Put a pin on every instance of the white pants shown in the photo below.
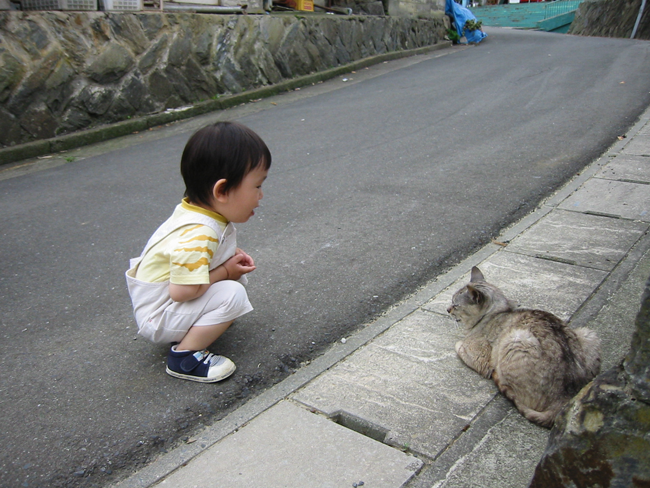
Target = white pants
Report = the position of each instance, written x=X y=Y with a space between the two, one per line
x=223 y=302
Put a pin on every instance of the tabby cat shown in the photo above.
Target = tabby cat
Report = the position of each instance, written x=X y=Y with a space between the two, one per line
x=535 y=360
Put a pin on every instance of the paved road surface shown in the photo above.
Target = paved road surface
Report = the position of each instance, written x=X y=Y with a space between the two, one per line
x=378 y=184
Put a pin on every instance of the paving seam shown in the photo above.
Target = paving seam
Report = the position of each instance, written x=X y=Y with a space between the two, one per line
x=612 y=282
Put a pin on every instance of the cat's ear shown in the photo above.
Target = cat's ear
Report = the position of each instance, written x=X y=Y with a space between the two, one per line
x=475 y=295
x=476 y=275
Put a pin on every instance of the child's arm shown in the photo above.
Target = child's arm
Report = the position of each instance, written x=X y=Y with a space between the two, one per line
x=233 y=269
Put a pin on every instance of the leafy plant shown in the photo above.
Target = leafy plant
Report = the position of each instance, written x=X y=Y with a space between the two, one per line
x=472 y=25
x=452 y=35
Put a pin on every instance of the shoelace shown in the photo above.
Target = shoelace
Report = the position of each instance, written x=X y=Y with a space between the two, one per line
x=208 y=357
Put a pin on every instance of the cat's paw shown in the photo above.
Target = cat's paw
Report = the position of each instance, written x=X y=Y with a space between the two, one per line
x=458 y=346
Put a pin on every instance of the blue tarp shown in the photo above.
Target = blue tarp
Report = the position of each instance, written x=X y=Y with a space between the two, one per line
x=460 y=15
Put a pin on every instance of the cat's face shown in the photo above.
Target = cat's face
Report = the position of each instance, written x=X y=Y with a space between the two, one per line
x=477 y=299
x=467 y=305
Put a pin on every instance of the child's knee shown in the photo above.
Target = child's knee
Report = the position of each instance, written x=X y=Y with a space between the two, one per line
x=231 y=292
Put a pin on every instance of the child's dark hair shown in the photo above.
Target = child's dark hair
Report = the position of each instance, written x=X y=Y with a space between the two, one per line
x=225 y=150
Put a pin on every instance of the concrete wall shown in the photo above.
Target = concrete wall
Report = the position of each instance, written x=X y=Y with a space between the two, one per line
x=62 y=72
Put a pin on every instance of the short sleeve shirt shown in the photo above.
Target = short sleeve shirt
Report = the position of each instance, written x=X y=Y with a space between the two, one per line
x=183 y=257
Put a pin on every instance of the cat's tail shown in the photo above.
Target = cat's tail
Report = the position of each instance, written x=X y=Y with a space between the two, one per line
x=590 y=343
x=545 y=418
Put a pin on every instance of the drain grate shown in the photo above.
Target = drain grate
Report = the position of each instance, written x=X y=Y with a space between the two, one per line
x=361 y=426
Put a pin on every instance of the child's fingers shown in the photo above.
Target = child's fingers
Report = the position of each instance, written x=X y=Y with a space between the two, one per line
x=237 y=258
x=245 y=260
x=242 y=263
x=248 y=258
x=242 y=270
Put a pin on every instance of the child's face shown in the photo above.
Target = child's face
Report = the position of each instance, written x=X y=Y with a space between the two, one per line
x=239 y=204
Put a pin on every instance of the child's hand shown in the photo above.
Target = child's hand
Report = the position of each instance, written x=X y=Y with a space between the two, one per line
x=249 y=260
x=238 y=265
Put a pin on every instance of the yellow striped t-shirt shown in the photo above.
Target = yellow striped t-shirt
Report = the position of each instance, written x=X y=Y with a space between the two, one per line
x=183 y=257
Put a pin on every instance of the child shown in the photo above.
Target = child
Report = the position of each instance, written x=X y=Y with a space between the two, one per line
x=187 y=286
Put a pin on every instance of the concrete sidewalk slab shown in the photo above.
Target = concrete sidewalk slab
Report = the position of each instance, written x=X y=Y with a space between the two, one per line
x=639 y=146
x=614 y=324
x=408 y=382
x=585 y=240
x=634 y=169
x=500 y=449
x=505 y=457
x=553 y=286
x=289 y=446
x=613 y=198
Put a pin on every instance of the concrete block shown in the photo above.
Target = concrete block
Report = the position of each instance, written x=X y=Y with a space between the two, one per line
x=615 y=322
x=289 y=446
x=586 y=240
x=639 y=146
x=618 y=198
x=627 y=168
x=505 y=457
x=556 y=287
x=408 y=382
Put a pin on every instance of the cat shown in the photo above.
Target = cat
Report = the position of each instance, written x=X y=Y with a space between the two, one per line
x=535 y=360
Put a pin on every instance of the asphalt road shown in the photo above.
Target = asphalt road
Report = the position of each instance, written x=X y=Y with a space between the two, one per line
x=378 y=184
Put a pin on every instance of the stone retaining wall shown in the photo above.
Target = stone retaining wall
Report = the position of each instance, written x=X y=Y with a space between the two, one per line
x=611 y=18
x=62 y=72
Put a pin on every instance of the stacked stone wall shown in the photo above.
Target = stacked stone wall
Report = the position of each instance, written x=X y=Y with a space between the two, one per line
x=62 y=72
x=611 y=18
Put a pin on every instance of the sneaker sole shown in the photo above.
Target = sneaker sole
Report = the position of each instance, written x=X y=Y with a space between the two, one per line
x=200 y=379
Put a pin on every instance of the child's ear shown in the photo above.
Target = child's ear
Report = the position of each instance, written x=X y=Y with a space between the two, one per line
x=218 y=191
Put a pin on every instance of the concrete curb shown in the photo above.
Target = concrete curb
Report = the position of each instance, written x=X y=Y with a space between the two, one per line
x=99 y=134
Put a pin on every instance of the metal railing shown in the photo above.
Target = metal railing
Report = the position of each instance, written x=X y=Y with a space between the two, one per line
x=560 y=7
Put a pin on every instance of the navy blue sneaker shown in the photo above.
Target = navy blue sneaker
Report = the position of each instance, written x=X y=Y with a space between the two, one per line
x=201 y=366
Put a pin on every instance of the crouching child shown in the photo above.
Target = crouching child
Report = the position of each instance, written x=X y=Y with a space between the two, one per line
x=187 y=287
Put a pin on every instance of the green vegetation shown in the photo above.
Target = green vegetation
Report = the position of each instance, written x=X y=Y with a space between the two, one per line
x=472 y=25
x=453 y=36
